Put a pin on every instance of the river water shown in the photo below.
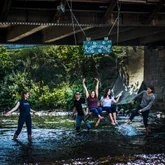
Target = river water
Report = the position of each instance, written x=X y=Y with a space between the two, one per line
x=55 y=142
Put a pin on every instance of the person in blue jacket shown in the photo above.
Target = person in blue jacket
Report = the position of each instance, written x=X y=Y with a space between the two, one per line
x=24 y=117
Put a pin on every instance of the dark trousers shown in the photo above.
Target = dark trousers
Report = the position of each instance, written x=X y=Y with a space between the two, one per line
x=78 y=122
x=144 y=114
x=108 y=109
x=24 y=119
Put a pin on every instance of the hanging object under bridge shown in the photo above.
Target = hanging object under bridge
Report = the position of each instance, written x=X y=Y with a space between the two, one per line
x=97 y=47
x=102 y=46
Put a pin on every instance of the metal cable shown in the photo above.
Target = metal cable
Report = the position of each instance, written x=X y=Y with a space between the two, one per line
x=118 y=23
x=112 y=27
x=76 y=19
x=73 y=24
x=117 y=19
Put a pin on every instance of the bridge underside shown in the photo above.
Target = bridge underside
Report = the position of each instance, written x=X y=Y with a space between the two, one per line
x=141 y=22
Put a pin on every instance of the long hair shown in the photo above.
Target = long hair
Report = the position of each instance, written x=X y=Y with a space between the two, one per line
x=106 y=93
x=22 y=95
x=91 y=93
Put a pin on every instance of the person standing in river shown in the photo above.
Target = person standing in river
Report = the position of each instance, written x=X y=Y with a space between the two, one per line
x=148 y=98
x=92 y=100
x=24 y=116
x=106 y=102
x=78 y=103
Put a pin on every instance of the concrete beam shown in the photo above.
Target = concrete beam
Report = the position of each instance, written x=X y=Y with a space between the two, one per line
x=106 y=1
x=98 y=33
x=4 y=9
x=125 y=34
x=52 y=34
x=155 y=11
x=155 y=37
x=135 y=33
x=18 y=32
x=107 y=15
x=126 y=19
x=4 y=26
x=85 y=1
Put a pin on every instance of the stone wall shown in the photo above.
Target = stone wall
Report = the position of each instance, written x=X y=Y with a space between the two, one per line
x=154 y=73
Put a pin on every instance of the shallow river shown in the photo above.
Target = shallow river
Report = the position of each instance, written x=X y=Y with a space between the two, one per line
x=55 y=142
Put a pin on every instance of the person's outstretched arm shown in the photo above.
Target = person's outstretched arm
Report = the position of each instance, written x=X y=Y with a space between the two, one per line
x=32 y=110
x=133 y=99
x=12 y=110
x=148 y=106
x=97 y=87
x=115 y=101
x=85 y=88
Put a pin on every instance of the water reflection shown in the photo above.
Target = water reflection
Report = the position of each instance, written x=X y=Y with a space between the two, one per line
x=127 y=130
x=62 y=145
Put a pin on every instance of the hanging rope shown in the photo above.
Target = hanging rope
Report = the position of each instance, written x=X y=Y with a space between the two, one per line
x=76 y=19
x=117 y=19
x=112 y=27
x=75 y=40
x=78 y=63
x=118 y=23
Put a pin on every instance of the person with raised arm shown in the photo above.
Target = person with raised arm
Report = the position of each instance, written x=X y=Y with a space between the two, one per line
x=106 y=102
x=92 y=100
x=24 y=116
x=148 y=98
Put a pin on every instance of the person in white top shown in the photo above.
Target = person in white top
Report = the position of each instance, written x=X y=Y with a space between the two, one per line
x=106 y=102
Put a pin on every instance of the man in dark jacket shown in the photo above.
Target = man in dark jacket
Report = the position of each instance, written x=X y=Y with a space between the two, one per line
x=78 y=107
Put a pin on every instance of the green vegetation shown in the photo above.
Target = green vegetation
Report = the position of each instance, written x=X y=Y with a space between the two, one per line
x=52 y=74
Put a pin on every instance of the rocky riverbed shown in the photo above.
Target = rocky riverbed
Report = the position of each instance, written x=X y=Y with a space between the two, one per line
x=55 y=142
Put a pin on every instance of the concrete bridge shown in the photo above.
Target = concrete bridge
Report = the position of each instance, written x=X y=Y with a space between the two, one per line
x=141 y=22
x=125 y=22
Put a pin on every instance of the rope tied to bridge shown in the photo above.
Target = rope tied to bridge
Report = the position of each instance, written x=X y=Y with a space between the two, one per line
x=116 y=21
x=73 y=16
